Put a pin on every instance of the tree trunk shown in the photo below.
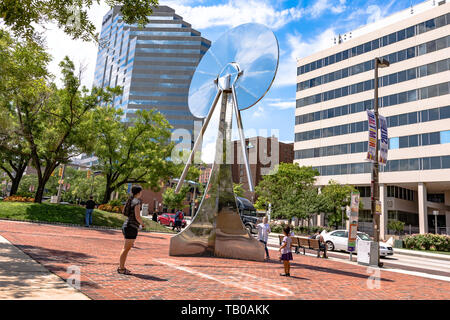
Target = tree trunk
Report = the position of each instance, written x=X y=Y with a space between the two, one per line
x=107 y=195
x=39 y=193
x=15 y=185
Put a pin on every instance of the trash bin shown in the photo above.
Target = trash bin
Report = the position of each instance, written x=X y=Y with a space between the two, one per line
x=367 y=253
x=144 y=211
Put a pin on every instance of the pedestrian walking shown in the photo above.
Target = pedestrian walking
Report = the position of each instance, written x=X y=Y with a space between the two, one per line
x=90 y=206
x=286 y=253
x=132 y=210
x=179 y=215
x=263 y=234
x=155 y=217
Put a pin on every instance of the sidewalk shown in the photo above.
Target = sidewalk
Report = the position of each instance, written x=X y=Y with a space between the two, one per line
x=21 y=277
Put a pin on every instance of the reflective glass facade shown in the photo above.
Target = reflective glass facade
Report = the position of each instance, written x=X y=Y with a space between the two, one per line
x=154 y=65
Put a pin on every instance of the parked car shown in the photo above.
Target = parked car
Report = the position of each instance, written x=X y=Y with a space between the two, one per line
x=338 y=240
x=248 y=214
x=168 y=219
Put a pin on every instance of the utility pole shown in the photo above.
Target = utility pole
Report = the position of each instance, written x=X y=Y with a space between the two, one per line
x=375 y=194
x=61 y=180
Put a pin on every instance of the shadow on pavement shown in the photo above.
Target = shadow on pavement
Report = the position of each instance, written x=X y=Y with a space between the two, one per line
x=328 y=270
x=147 y=277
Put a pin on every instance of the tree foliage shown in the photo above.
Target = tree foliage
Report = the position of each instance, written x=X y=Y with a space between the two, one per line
x=238 y=189
x=286 y=188
x=133 y=152
x=333 y=197
x=174 y=201
x=70 y=15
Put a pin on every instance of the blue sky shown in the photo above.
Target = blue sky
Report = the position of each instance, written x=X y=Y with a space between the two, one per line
x=302 y=27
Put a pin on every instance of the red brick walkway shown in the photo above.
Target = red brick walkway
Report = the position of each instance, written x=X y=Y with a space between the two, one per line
x=159 y=276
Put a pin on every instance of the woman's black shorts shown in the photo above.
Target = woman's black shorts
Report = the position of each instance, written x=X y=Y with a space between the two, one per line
x=129 y=232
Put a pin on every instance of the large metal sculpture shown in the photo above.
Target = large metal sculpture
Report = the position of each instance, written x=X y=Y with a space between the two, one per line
x=235 y=73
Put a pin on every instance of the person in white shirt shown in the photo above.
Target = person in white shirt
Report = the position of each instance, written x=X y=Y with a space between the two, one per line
x=263 y=234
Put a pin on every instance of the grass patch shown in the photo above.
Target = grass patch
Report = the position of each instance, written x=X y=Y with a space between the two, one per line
x=46 y=212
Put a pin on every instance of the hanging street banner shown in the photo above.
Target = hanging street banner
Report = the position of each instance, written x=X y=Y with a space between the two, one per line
x=353 y=225
x=383 y=140
x=372 y=135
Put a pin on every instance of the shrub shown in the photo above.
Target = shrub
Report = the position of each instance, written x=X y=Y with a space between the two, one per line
x=110 y=208
x=429 y=241
x=396 y=226
x=115 y=203
x=18 y=199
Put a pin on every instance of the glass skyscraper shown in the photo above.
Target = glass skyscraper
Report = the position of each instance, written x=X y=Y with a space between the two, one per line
x=154 y=64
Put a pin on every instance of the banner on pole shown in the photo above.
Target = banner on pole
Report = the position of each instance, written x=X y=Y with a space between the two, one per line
x=383 y=140
x=353 y=229
x=372 y=135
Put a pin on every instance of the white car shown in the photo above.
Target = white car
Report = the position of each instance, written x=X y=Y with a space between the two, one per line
x=338 y=240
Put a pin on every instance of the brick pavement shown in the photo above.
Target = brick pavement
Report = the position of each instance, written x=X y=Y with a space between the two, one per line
x=159 y=276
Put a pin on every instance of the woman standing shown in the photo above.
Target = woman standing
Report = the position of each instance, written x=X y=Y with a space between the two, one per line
x=132 y=210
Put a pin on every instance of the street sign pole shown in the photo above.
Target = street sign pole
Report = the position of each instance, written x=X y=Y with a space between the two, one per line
x=436 y=213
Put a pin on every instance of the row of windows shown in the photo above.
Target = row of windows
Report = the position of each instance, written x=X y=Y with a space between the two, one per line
x=392 y=192
x=158 y=94
x=409 y=118
x=393 y=121
x=405 y=75
x=429 y=163
x=405 y=54
x=400 y=193
x=377 y=43
x=398 y=98
x=163 y=67
x=424 y=139
x=193 y=42
x=157 y=103
x=416 y=140
x=158 y=50
x=165 y=58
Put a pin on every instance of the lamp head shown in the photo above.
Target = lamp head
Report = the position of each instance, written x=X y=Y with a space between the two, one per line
x=383 y=63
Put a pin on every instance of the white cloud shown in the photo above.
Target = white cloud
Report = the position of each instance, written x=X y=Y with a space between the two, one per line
x=287 y=70
x=80 y=52
x=236 y=12
x=321 y=6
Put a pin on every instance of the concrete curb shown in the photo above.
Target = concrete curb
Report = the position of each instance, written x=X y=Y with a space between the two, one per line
x=417 y=253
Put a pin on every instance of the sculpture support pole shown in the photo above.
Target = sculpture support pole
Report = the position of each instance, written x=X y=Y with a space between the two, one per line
x=197 y=142
x=242 y=139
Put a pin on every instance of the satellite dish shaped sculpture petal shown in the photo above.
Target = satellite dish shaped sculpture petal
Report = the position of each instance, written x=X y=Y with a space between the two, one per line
x=237 y=70
x=254 y=48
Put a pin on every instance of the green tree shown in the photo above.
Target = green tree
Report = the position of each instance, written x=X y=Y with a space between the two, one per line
x=70 y=15
x=54 y=122
x=22 y=68
x=333 y=197
x=238 y=190
x=174 y=201
x=285 y=189
x=397 y=226
x=133 y=152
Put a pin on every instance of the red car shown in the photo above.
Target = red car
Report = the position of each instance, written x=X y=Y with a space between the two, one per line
x=168 y=219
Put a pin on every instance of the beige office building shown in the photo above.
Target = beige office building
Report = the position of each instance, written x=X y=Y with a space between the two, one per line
x=334 y=90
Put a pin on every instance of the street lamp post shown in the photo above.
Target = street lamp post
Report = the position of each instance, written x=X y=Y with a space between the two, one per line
x=379 y=63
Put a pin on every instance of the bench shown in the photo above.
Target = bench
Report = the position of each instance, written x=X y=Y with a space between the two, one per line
x=305 y=243
x=314 y=245
x=295 y=244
